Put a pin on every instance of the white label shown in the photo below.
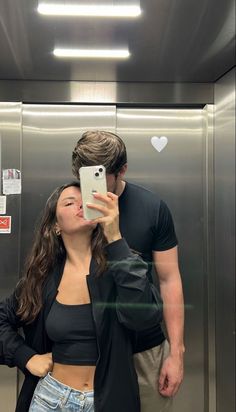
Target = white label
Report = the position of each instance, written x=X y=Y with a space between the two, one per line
x=3 y=203
x=11 y=181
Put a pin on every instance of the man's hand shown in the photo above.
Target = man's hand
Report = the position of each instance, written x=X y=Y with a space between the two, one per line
x=40 y=365
x=171 y=375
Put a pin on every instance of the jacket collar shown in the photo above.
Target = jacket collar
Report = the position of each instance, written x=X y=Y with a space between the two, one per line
x=53 y=280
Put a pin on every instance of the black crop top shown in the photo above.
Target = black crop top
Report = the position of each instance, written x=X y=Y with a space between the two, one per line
x=72 y=331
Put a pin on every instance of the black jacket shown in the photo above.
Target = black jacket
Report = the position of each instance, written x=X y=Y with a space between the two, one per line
x=122 y=299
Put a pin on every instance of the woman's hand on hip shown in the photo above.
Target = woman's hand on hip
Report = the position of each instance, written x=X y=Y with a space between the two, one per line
x=40 y=365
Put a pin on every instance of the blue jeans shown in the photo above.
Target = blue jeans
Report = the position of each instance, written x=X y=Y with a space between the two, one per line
x=52 y=395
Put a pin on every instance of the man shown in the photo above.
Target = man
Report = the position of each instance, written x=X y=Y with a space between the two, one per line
x=147 y=226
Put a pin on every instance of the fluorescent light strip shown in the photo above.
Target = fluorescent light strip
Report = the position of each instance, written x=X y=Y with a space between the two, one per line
x=92 y=10
x=90 y=53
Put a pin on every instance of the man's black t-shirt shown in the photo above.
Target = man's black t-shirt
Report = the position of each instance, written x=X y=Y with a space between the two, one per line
x=146 y=224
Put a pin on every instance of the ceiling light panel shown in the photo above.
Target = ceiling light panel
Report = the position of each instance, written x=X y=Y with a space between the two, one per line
x=98 y=10
x=92 y=53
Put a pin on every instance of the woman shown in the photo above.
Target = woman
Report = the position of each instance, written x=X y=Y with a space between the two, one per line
x=82 y=291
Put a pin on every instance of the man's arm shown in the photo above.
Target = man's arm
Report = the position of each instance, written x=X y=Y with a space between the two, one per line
x=167 y=268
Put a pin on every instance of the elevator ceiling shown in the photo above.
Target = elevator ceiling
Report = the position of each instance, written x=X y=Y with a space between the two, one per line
x=172 y=41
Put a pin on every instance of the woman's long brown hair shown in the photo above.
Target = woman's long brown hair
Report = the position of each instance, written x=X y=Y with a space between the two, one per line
x=47 y=250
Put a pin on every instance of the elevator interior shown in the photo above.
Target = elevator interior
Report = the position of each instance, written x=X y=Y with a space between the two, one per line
x=38 y=140
x=179 y=83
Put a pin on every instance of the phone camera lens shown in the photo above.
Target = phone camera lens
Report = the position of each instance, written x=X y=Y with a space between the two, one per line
x=96 y=174
x=100 y=169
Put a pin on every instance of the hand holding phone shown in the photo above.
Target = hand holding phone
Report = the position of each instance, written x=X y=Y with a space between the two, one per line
x=94 y=192
x=110 y=219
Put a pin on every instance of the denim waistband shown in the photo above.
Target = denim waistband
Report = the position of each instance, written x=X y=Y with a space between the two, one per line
x=60 y=387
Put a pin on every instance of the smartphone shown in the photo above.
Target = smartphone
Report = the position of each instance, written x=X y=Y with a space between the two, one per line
x=92 y=180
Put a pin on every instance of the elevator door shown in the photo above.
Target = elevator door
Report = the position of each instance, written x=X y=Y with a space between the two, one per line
x=174 y=167
x=50 y=132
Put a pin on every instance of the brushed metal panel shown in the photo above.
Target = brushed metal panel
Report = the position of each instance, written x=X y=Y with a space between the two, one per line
x=177 y=174
x=8 y=388
x=131 y=93
x=209 y=256
x=50 y=132
x=10 y=126
x=225 y=240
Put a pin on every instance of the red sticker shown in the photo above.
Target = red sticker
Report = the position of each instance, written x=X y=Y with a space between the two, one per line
x=5 y=224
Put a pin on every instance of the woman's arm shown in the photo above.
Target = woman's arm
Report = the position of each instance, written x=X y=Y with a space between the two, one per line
x=138 y=303
x=13 y=349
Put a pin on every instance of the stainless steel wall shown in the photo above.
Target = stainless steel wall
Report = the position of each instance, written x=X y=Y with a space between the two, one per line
x=10 y=153
x=129 y=93
x=225 y=241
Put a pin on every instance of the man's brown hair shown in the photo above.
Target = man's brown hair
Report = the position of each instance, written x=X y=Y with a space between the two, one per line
x=99 y=147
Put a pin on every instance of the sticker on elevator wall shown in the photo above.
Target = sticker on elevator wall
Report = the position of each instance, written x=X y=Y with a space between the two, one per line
x=5 y=224
x=11 y=179
x=159 y=143
x=3 y=202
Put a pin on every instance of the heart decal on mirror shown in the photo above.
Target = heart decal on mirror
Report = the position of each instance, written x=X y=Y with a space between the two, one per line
x=159 y=143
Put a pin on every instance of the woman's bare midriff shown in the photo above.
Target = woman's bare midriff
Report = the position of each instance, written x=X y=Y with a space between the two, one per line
x=76 y=376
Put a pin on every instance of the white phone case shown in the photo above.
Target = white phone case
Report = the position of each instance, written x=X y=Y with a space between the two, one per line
x=92 y=180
